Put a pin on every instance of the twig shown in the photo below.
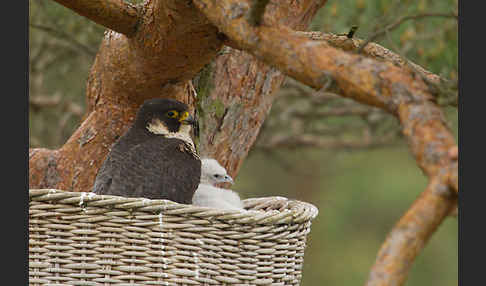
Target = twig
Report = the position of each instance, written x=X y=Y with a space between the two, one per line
x=372 y=50
x=257 y=10
x=117 y=15
x=444 y=89
x=63 y=36
x=314 y=141
x=338 y=111
x=407 y=98
x=39 y=102
x=336 y=131
x=401 y=20
x=351 y=32
x=321 y=96
x=409 y=236
x=400 y=94
x=36 y=57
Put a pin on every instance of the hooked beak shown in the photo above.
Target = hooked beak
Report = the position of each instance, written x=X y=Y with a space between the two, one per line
x=188 y=119
x=228 y=179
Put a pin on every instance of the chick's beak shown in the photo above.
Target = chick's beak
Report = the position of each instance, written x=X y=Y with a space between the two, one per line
x=228 y=179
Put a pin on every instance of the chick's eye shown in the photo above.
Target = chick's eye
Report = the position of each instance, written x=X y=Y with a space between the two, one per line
x=216 y=176
x=172 y=114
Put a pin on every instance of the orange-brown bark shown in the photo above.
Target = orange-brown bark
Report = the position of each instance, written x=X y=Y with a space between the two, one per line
x=238 y=91
x=430 y=139
x=153 y=51
x=74 y=166
x=423 y=122
x=397 y=90
x=117 y=15
x=172 y=42
x=371 y=50
x=378 y=83
x=311 y=62
x=411 y=233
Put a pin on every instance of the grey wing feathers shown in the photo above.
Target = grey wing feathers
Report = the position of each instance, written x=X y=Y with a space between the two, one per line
x=103 y=178
x=155 y=169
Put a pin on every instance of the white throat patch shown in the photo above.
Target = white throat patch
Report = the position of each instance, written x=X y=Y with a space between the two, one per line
x=184 y=134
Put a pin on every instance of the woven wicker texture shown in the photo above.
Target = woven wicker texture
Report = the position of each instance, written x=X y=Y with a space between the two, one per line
x=86 y=239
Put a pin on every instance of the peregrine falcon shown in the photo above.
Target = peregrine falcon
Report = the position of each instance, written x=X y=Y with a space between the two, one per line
x=155 y=158
x=208 y=195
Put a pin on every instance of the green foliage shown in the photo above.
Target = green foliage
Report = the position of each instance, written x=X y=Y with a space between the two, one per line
x=431 y=42
x=59 y=58
x=362 y=194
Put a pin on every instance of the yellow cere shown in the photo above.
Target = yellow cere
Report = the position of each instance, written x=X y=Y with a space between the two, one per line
x=184 y=116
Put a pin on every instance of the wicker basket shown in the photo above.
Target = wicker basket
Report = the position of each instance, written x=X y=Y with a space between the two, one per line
x=86 y=239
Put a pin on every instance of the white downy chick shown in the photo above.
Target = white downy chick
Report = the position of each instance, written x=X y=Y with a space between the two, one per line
x=212 y=173
x=208 y=195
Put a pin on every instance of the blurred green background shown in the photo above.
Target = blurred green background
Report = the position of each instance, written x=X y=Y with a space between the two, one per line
x=360 y=193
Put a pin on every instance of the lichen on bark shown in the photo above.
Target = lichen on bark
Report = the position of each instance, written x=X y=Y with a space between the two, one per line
x=172 y=42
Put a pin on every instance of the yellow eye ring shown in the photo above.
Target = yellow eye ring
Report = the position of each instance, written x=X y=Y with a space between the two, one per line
x=172 y=114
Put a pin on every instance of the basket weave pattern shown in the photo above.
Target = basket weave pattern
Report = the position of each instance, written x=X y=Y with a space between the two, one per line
x=80 y=239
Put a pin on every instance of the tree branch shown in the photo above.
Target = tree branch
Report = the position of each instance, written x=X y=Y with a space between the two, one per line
x=409 y=236
x=173 y=41
x=377 y=83
x=316 y=141
x=396 y=90
x=236 y=91
x=373 y=50
x=64 y=36
x=39 y=102
x=338 y=111
x=117 y=15
x=310 y=62
x=400 y=21
x=257 y=11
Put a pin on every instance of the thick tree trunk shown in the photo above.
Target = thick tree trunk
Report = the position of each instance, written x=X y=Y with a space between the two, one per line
x=402 y=92
x=236 y=91
x=154 y=50
x=155 y=57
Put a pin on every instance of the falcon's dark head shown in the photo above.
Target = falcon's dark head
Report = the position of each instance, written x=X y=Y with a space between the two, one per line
x=164 y=116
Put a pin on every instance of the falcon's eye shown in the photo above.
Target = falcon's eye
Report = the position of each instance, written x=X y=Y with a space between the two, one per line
x=172 y=114
x=216 y=176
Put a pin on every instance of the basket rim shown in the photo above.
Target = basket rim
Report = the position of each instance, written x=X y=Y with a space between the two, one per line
x=282 y=210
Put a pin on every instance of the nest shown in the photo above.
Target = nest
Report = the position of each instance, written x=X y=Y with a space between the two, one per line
x=87 y=239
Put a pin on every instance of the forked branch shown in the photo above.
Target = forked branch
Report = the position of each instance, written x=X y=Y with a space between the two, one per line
x=117 y=15
x=372 y=50
x=398 y=22
x=397 y=90
x=409 y=236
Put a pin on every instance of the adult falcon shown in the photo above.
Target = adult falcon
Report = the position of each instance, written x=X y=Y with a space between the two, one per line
x=155 y=158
